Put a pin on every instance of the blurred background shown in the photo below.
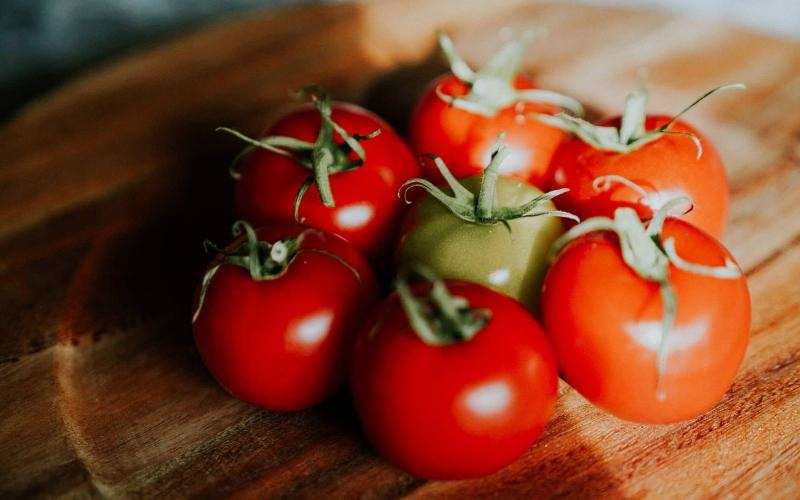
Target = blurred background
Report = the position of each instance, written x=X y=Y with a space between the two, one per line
x=46 y=42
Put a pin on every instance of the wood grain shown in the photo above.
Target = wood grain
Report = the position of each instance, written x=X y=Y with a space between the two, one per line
x=108 y=186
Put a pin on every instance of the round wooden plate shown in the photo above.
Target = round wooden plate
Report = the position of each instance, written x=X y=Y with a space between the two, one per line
x=108 y=187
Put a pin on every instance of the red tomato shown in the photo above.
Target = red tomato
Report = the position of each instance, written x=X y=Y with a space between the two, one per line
x=285 y=343
x=456 y=411
x=367 y=210
x=464 y=140
x=605 y=325
x=666 y=168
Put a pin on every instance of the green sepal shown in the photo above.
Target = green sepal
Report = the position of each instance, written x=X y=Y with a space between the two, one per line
x=439 y=318
x=324 y=157
x=631 y=134
x=492 y=87
x=482 y=209
x=262 y=260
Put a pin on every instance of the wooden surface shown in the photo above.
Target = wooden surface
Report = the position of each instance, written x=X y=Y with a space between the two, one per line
x=108 y=186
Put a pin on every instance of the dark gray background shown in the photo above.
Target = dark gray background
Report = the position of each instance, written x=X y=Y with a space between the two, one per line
x=45 y=42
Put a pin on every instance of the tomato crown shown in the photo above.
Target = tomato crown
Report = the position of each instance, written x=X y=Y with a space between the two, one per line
x=649 y=257
x=481 y=209
x=492 y=87
x=263 y=260
x=439 y=318
x=631 y=134
x=323 y=157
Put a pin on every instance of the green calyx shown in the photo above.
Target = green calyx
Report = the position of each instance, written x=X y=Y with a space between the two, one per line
x=492 y=87
x=263 y=260
x=323 y=158
x=644 y=251
x=482 y=209
x=439 y=318
x=631 y=134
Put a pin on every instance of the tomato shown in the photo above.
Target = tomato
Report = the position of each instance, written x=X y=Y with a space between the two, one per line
x=464 y=139
x=508 y=255
x=363 y=207
x=463 y=135
x=652 y=168
x=665 y=168
x=460 y=410
x=606 y=324
x=283 y=342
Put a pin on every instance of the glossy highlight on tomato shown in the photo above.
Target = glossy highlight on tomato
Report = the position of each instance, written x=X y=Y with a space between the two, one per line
x=604 y=322
x=285 y=343
x=367 y=210
x=456 y=411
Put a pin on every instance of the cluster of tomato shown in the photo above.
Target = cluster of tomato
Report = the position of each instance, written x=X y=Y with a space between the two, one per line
x=642 y=310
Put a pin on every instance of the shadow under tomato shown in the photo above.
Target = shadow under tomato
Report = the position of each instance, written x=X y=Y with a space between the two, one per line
x=394 y=94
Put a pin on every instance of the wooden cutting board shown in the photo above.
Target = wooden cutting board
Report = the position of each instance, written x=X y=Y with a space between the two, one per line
x=109 y=185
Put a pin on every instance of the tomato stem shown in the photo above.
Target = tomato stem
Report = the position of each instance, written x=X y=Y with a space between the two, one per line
x=645 y=252
x=492 y=87
x=482 y=209
x=670 y=305
x=324 y=157
x=262 y=260
x=631 y=134
x=439 y=318
x=488 y=192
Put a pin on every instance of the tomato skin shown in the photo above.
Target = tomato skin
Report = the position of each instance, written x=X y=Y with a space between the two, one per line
x=464 y=140
x=601 y=317
x=421 y=405
x=668 y=165
x=512 y=263
x=285 y=344
x=367 y=211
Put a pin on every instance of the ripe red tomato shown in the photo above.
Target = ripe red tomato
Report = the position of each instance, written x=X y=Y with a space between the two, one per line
x=666 y=168
x=464 y=139
x=605 y=322
x=460 y=410
x=284 y=342
x=460 y=115
x=367 y=210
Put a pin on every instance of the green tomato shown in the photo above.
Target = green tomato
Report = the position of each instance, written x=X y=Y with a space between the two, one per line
x=512 y=262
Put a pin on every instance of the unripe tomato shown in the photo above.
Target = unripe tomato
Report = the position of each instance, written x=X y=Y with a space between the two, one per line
x=511 y=260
